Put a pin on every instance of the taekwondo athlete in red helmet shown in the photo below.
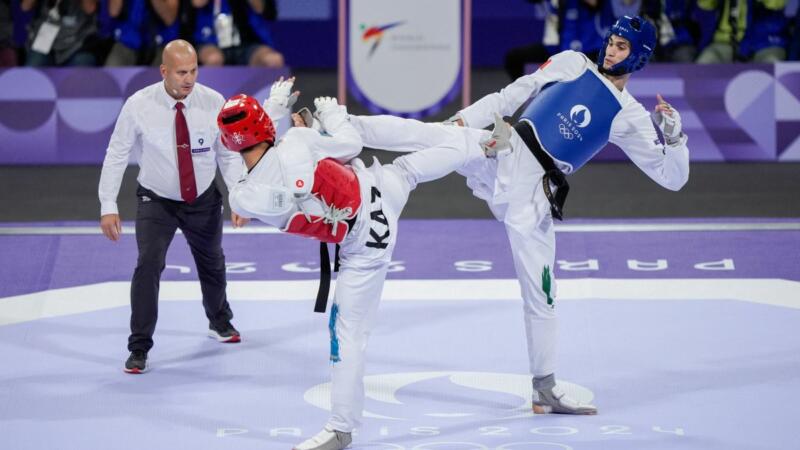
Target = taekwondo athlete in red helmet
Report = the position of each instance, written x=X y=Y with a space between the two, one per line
x=577 y=107
x=310 y=183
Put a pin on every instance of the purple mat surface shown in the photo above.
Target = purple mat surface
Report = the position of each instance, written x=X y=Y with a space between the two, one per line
x=665 y=375
x=427 y=249
x=708 y=373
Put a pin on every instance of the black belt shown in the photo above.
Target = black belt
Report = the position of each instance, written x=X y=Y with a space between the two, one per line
x=325 y=270
x=551 y=172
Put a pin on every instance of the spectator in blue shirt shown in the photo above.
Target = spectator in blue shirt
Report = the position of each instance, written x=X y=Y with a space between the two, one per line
x=677 y=31
x=235 y=32
x=569 y=25
x=140 y=28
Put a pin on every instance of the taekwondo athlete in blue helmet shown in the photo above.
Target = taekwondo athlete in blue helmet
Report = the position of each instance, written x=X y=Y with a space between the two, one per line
x=578 y=106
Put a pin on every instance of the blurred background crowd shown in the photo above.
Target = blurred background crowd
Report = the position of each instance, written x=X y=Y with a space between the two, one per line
x=133 y=32
x=702 y=31
x=240 y=32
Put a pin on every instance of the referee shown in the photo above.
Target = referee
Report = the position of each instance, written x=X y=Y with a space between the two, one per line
x=172 y=126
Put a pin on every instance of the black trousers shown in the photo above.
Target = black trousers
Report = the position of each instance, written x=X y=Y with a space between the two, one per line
x=157 y=219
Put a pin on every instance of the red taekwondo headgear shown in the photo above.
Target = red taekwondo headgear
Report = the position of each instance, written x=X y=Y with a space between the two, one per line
x=243 y=123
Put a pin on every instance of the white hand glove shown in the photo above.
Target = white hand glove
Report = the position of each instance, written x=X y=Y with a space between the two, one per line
x=670 y=124
x=280 y=93
x=498 y=143
x=329 y=112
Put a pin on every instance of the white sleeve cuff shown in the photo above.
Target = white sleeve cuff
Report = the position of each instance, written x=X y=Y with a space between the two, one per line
x=108 y=208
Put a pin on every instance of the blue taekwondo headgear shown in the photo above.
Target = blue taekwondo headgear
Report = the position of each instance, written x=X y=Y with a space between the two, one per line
x=642 y=36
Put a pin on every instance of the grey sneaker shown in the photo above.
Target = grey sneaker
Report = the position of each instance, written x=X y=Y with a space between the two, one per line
x=137 y=362
x=549 y=398
x=224 y=332
x=327 y=439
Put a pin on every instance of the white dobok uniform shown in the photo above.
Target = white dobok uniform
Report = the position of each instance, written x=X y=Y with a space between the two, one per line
x=512 y=183
x=278 y=191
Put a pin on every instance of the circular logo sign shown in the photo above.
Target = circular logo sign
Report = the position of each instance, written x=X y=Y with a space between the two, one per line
x=580 y=115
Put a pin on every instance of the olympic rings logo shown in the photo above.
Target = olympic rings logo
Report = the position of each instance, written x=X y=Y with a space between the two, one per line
x=565 y=131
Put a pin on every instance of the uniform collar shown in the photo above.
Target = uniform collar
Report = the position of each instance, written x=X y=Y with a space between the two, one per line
x=619 y=94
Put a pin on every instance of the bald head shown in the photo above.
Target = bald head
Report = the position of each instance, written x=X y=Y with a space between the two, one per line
x=179 y=68
x=178 y=51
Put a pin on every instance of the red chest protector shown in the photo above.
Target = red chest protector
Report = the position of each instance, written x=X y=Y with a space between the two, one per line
x=336 y=187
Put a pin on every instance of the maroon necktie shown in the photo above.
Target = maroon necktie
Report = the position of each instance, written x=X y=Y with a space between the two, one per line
x=185 y=167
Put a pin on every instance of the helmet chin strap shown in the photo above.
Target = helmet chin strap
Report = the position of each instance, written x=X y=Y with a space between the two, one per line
x=614 y=71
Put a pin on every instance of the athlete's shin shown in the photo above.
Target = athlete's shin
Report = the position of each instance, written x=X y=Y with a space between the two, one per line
x=398 y=134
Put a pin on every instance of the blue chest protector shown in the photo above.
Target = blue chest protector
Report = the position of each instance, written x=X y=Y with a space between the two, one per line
x=573 y=119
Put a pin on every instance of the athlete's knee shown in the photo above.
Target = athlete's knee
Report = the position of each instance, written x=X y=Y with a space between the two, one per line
x=540 y=300
x=539 y=310
x=405 y=169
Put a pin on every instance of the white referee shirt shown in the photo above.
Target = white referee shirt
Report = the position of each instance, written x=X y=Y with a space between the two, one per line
x=146 y=126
